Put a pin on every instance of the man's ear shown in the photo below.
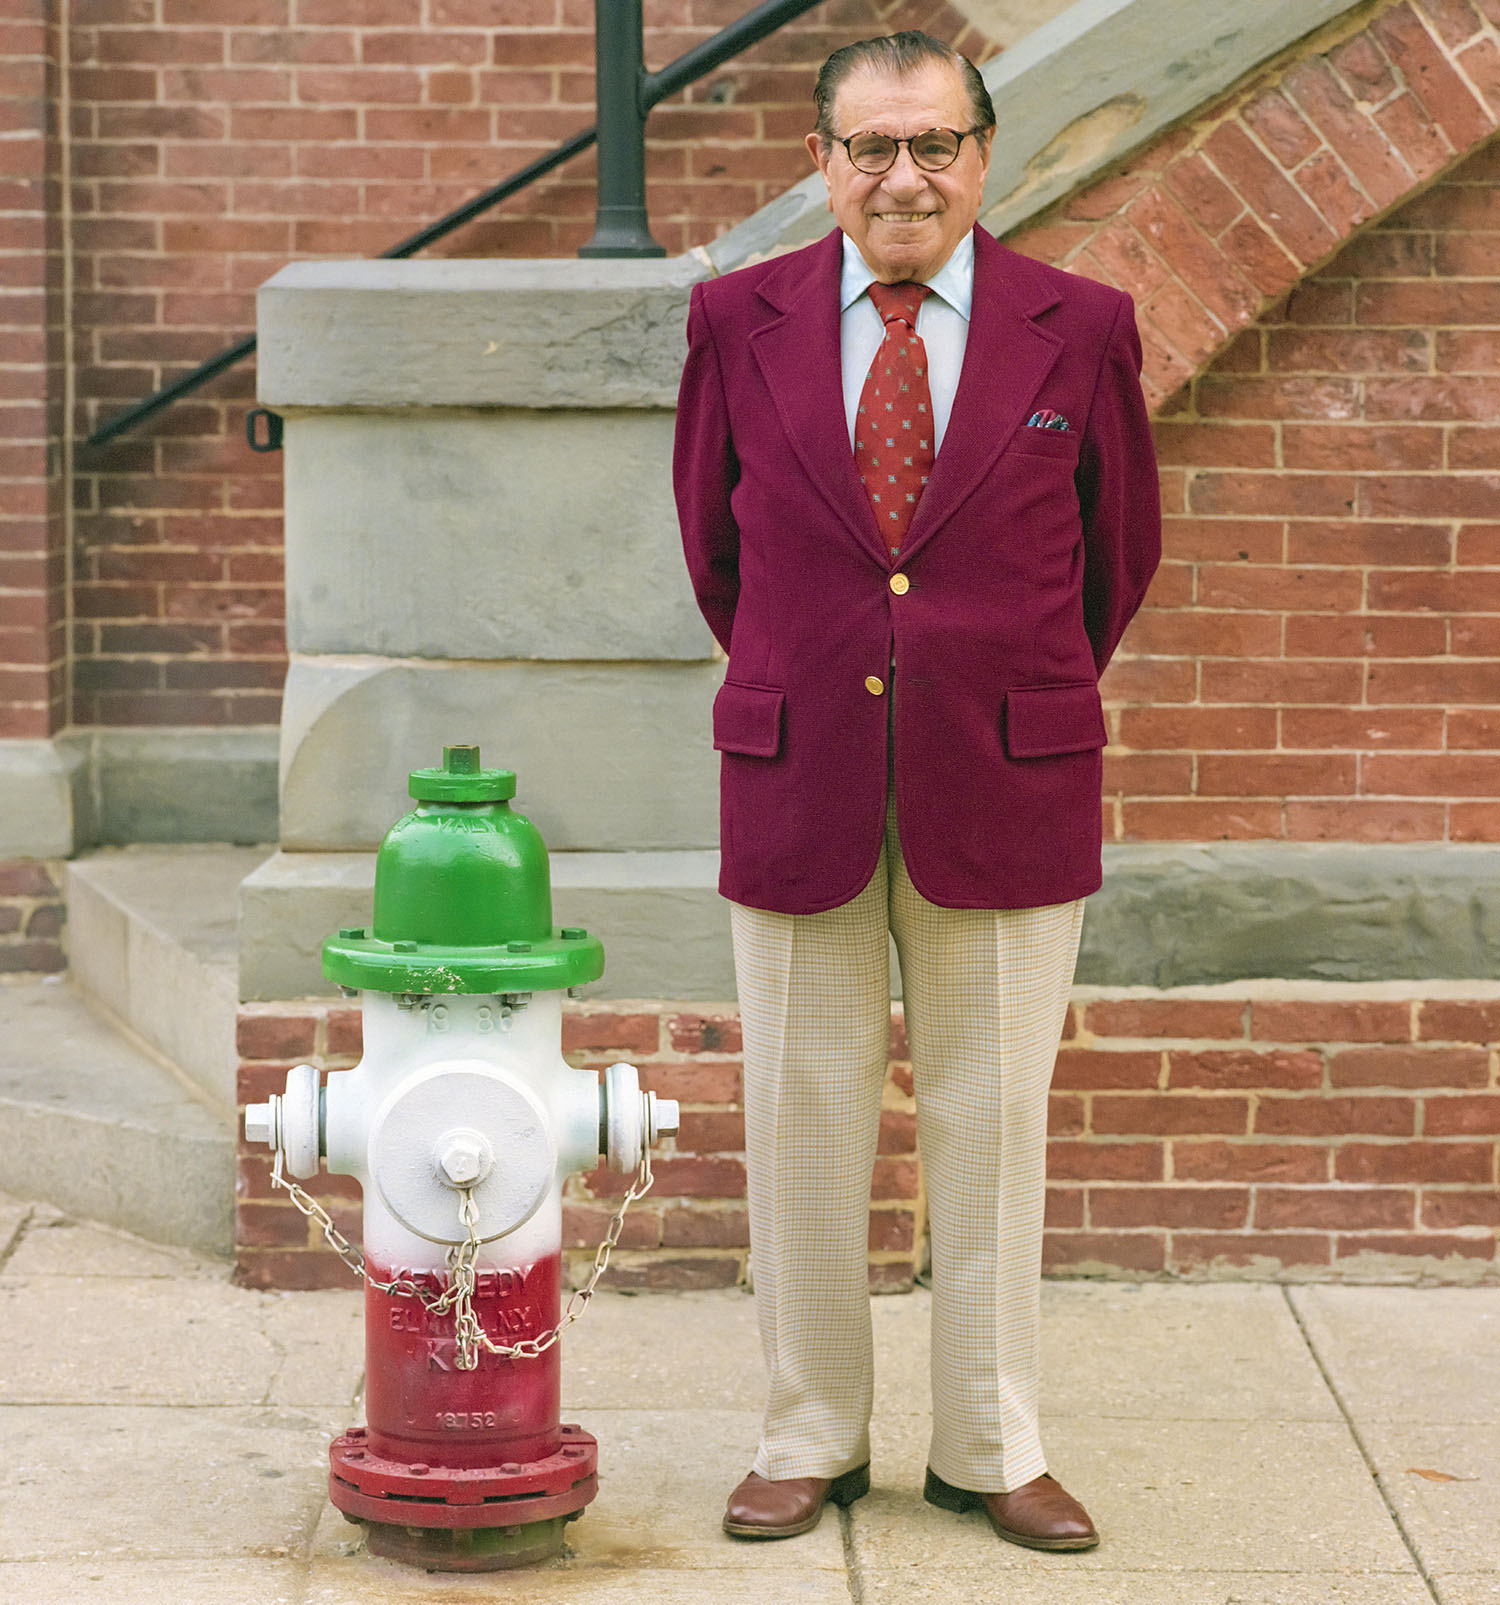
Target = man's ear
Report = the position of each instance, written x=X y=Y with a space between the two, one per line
x=820 y=154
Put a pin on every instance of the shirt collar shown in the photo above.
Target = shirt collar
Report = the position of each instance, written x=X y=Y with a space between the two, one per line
x=954 y=281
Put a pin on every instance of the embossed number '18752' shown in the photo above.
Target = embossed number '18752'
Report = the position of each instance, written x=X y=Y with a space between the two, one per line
x=467 y=1420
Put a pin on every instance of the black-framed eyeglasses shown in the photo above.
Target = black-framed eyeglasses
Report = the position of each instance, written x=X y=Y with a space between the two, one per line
x=932 y=150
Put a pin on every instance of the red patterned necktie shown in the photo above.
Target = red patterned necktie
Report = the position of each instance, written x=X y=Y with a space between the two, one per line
x=893 y=439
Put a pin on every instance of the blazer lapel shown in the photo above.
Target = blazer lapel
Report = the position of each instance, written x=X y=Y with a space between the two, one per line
x=1006 y=361
x=799 y=359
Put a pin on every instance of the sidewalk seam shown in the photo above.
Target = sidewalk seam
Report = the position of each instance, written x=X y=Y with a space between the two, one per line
x=853 y=1571
x=23 y=1226
x=1359 y=1443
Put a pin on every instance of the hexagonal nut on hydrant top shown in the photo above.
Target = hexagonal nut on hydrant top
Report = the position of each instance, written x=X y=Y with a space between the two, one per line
x=464 y=1158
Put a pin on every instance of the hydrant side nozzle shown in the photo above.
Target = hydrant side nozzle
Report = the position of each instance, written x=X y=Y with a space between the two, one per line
x=624 y=1125
x=301 y=1120
x=633 y=1119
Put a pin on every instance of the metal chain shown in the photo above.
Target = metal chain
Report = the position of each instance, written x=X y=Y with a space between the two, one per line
x=458 y=1296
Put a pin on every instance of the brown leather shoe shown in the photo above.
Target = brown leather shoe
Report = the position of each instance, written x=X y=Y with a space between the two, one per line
x=1041 y=1514
x=760 y=1508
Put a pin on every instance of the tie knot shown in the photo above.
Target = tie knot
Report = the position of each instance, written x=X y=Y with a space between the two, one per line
x=899 y=301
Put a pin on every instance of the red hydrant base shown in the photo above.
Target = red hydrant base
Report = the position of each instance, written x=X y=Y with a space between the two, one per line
x=412 y=1494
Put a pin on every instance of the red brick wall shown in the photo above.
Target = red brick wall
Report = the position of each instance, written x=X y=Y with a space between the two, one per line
x=1319 y=659
x=1299 y=1132
x=1263 y=1132
x=31 y=917
x=214 y=141
x=32 y=489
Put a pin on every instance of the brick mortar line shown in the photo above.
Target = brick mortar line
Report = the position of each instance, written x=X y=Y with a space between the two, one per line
x=1375 y=1475
x=1259 y=1047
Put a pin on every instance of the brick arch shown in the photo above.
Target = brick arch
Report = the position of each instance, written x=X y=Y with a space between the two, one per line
x=1319 y=657
x=1218 y=219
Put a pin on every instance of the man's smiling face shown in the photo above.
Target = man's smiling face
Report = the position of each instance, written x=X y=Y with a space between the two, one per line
x=905 y=221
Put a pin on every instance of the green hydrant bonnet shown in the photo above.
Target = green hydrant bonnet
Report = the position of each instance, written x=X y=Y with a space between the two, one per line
x=463 y=897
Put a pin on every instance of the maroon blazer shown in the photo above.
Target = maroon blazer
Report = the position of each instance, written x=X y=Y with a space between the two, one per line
x=1028 y=554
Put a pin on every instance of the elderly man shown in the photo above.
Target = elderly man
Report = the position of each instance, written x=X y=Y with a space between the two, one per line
x=919 y=506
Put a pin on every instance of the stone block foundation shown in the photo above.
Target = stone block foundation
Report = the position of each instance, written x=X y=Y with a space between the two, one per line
x=1266 y=1130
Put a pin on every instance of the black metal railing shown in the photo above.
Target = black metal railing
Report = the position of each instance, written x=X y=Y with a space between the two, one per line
x=626 y=94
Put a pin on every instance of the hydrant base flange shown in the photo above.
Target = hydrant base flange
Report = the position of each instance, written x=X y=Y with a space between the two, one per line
x=416 y=1494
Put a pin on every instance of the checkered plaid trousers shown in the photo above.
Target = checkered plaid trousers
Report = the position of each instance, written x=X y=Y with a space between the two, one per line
x=985 y=995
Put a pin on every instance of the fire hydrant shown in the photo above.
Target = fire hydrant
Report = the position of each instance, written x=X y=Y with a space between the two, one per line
x=461 y=1122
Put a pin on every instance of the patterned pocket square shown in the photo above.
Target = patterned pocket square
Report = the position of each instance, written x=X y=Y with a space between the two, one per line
x=1046 y=419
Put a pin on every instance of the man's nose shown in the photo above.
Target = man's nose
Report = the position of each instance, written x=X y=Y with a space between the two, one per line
x=903 y=177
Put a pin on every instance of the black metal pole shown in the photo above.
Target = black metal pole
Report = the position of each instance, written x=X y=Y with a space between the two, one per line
x=620 y=226
x=756 y=24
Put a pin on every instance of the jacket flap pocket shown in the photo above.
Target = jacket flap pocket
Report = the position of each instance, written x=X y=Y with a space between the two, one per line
x=747 y=719
x=1044 y=719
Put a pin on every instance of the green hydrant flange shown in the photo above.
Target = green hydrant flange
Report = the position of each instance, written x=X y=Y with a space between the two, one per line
x=463 y=897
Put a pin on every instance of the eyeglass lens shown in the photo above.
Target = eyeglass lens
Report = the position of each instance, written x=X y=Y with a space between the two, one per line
x=933 y=151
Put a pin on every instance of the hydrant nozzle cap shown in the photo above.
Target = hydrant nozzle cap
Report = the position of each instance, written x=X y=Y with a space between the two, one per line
x=462 y=780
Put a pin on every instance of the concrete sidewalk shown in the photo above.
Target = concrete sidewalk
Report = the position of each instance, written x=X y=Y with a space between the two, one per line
x=1238 y=1444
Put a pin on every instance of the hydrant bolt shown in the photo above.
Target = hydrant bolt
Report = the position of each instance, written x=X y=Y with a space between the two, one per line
x=663 y=1116
x=464 y=1158
x=261 y=1122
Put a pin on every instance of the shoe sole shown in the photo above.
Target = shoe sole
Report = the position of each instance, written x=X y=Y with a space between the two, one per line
x=842 y=1491
x=962 y=1500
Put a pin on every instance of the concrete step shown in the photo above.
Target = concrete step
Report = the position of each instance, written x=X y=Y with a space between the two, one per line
x=151 y=939
x=94 y=1125
x=664 y=926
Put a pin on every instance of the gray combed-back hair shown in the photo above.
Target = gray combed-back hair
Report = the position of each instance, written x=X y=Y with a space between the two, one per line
x=897 y=53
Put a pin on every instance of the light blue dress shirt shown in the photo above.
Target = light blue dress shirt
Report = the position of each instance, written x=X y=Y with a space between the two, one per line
x=942 y=322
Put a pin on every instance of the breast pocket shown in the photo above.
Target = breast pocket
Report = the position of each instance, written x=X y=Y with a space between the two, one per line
x=747 y=719
x=1037 y=442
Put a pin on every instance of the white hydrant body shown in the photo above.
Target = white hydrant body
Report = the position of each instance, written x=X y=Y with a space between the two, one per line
x=433 y=1073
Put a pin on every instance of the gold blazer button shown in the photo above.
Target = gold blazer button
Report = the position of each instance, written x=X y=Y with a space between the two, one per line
x=900 y=584
x=873 y=685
